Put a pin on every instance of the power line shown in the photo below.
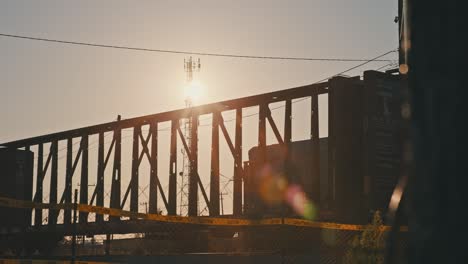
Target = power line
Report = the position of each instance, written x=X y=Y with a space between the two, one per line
x=324 y=79
x=359 y=65
x=275 y=108
x=387 y=65
x=183 y=52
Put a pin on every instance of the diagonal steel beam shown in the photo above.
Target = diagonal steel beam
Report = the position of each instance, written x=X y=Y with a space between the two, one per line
x=205 y=196
x=229 y=141
x=273 y=126
x=71 y=172
x=42 y=172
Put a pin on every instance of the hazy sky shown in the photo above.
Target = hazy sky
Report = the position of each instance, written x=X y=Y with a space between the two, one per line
x=47 y=87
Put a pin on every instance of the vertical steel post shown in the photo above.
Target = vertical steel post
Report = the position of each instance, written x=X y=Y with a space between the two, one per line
x=28 y=149
x=153 y=192
x=173 y=169
x=100 y=176
x=261 y=160
x=288 y=123
x=39 y=176
x=214 y=179
x=84 y=177
x=68 y=181
x=315 y=162
x=287 y=147
x=75 y=209
x=193 y=181
x=262 y=134
x=135 y=165
x=116 y=173
x=238 y=171
x=247 y=188
x=53 y=184
x=331 y=148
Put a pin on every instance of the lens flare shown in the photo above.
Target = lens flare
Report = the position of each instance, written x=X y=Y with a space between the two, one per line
x=272 y=186
x=274 y=189
x=299 y=202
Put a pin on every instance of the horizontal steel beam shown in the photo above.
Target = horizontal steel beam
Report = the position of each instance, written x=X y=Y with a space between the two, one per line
x=277 y=96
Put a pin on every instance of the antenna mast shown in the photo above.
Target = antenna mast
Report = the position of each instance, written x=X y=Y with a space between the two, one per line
x=190 y=66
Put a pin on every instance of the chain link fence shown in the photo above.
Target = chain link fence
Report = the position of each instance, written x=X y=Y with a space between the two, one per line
x=124 y=234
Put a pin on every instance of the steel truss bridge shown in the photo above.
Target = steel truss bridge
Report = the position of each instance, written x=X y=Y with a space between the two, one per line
x=147 y=147
x=109 y=160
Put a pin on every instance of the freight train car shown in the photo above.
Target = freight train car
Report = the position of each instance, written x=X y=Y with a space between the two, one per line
x=359 y=160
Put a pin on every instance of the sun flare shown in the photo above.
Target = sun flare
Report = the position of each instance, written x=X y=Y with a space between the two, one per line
x=193 y=91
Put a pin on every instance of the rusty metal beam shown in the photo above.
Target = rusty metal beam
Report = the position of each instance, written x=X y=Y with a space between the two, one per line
x=41 y=176
x=173 y=169
x=331 y=148
x=248 y=193
x=68 y=181
x=109 y=152
x=226 y=135
x=288 y=122
x=72 y=171
x=193 y=187
x=102 y=164
x=145 y=150
x=274 y=127
x=136 y=160
x=261 y=160
x=134 y=180
x=214 y=177
x=298 y=92
x=84 y=177
x=153 y=188
x=100 y=177
x=315 y=162
x=38 y=195
x=116 y=172
x=287 y=146
x=152 y=134
x=196 y=176
x=238 y=171
x=53 y=184
x=262 y=133
x=236 y=151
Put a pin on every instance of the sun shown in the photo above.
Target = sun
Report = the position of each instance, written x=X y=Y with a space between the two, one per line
x=193 y=91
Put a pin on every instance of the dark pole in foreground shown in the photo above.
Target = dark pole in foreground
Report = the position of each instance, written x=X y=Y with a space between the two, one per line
x=75 y=207
x=437 y=187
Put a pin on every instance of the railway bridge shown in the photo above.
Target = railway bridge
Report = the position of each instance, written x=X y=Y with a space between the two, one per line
x=283 y=192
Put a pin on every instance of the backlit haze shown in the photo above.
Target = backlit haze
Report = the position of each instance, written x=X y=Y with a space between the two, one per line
x=49 y=87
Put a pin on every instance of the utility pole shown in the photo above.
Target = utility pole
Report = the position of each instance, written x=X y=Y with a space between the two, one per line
x=189 y=66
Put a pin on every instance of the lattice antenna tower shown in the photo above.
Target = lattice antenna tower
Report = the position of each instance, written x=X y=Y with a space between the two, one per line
x=190 y=66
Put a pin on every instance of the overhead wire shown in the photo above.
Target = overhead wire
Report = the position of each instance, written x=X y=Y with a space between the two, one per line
x=89 y=44
x=275 y=108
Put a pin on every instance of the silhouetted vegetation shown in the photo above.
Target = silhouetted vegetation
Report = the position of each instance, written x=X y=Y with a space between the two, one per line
x=368 y=247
